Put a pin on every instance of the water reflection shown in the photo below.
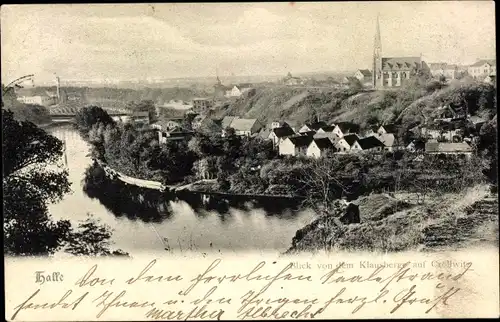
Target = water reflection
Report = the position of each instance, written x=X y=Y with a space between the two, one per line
x=142 y=218
x=150 y=205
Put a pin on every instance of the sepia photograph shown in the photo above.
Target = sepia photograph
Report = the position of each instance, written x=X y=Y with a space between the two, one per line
x=221 y=129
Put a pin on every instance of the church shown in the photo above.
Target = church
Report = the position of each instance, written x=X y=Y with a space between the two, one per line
x=394 y=71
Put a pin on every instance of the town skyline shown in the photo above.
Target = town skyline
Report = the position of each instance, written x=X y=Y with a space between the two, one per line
x=124 y=42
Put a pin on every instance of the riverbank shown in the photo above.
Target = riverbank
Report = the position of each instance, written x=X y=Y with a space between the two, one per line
x=387 y=224
x=149 y=184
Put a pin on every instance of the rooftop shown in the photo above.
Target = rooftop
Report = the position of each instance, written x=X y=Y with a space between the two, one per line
x=283 y=131
x=140 y=114
x=227 y=120
x=481 y=62
x=370 y=142
x=400 y=63
x=387 y=139
x=365 y=72
x=316 y=125
x=242 y=124
x=301 y=141
x=324 y=143
x=389 y=128
x=347 y=127
x=350 y=138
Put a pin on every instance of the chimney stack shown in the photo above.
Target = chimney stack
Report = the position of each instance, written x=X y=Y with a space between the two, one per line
x=58 y=90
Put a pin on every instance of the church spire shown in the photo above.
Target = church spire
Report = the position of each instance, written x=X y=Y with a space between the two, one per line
x=217 y=75
x=378 y=42
x=377 y=57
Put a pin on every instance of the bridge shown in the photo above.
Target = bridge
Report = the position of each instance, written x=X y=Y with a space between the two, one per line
x=67 y=113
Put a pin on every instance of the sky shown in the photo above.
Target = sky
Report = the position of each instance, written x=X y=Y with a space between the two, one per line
x=136 y=41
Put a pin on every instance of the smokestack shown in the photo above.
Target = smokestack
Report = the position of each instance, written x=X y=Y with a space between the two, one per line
x=58 y=90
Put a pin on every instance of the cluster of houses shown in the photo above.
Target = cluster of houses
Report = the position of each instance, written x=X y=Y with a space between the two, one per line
x=319 y=138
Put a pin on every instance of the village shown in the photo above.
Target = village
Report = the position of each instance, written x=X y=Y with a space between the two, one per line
x=318 y=139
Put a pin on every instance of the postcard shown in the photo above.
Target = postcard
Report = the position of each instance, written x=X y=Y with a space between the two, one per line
x=245 y=161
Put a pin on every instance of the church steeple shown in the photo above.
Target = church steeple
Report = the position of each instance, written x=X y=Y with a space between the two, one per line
x=217 y=75
x=377 y=56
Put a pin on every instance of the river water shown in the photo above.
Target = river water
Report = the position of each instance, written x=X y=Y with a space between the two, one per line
x=184 y=229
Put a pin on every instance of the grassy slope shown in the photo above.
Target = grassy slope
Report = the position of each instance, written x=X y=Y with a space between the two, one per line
x=445 y=222
x=301 y=105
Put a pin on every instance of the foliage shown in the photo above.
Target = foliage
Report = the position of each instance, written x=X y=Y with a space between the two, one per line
x=92 y=239
x=89 y=116
x=30 y=182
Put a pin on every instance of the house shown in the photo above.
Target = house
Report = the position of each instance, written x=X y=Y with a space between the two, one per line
x=289 y=80
x=343 y=128
x=177 y=105
x=461 y=148
x=170 y=124
x=326 y=132
x=295 y=145
x=141 y=117
x=234 y=92
x=201 y=105
x=265 y=134
x=387 y=128
x=326 y=129
x=226 y=121
x=276 y=124
x=435 y=133
x=320 y=148
x=345 y=143
x=443 y=69
x=446 y=113
x=312 y=127
x=482 y=68
x=394 y=71
x=164 y=136
x=280 y=133
x=197 y=121
x=415 y=146
x=43 y=100
x=364 y=76
x=243 y=127
x=390 y=142
x=370 y=143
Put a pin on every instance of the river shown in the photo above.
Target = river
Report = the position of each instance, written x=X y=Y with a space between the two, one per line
x=180 y=228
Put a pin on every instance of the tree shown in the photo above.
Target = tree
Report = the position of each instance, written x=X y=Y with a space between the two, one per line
x=92 y=239
x=89 y=116
x=321 y=185
x=28 y=185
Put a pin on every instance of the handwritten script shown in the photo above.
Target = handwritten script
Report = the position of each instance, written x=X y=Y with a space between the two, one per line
x=265 y=290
